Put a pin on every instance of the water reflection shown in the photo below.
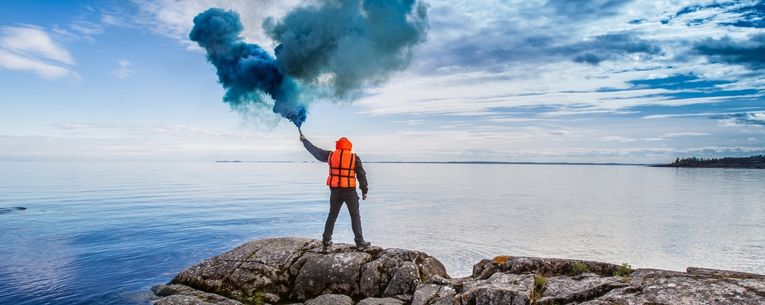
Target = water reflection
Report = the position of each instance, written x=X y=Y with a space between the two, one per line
x=103 y=233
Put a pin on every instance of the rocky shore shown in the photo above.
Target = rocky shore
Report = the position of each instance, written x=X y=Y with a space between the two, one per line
x=294 y=271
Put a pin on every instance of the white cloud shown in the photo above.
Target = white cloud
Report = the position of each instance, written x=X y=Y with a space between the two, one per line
x=18 y=62
x=486 y=57
x=616 y=139
x=684 y=134
x=753 y=119
x=479 y=89
x=93 y=141
x=627 y=140
x=578 y=91
x=29 y=48
x=174 y=19
x=728 y=122
x=663 y=137
x=86 y=29
x=114 y=20
x=756 y=116
x=409 y=122
x=124 y=69
x=680 y=115
x=524 y=105
x=33 y=41
x=145 y=130
x=71 y=125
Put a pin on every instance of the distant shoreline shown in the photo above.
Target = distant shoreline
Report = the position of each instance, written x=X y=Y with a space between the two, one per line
x=457 y=162
x=755 y=162
x=699 y=163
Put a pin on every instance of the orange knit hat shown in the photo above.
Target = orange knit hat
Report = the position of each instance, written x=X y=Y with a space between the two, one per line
x=343 y=143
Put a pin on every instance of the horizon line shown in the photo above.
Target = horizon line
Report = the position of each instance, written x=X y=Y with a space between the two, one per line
x=456 y=162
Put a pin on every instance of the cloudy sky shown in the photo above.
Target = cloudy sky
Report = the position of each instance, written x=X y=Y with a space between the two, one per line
x=557 y=80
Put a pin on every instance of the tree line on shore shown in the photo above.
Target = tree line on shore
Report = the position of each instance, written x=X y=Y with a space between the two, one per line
x=757 y=161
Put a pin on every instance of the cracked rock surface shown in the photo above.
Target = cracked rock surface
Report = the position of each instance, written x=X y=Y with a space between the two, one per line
x=290 y=270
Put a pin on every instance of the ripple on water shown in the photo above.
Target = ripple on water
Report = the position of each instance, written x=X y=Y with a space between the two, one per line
x=102 y=233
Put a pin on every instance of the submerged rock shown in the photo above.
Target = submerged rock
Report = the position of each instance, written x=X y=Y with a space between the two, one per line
x=11 y=209
x=295 y=271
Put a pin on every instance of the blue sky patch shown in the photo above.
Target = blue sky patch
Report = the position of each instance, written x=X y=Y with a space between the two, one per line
x=626 y=81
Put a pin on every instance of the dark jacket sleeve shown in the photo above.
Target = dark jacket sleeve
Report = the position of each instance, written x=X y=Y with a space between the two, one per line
x=361 y=175
x=318 y=153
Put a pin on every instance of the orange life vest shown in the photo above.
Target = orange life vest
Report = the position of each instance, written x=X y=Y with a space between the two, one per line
x=342 y=169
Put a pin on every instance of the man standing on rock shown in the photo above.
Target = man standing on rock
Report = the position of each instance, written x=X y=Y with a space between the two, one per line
x=344 y=168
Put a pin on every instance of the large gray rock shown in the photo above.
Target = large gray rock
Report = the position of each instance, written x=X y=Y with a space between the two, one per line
x=330 y=299
x=398 y=271
x=381 y=301
x=280 y=270
x=543 y=266
x=258 y=268
x=184 y=295
x=435 y=294
x=500 y=288
x=669 y=287
x=329 y=273
x=565 y=289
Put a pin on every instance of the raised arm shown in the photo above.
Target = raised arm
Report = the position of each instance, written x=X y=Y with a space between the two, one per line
x=318 y=153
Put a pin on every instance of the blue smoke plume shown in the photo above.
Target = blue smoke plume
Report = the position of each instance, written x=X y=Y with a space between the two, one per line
x=244 y=69
x=351 y=42
x=338 y=47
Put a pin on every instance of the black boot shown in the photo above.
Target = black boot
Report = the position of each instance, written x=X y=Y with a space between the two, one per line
x=326 y=246
x=362 y=244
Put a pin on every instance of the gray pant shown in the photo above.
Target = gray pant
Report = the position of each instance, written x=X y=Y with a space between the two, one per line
x=336 y=199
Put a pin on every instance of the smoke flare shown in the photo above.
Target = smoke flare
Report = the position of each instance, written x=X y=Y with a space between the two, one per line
x=245 y=70
x=338 y=47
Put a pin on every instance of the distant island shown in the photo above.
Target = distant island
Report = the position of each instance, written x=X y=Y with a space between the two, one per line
x=729 y=162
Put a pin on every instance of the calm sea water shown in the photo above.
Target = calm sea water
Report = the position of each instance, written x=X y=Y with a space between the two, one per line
x=104 y=233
